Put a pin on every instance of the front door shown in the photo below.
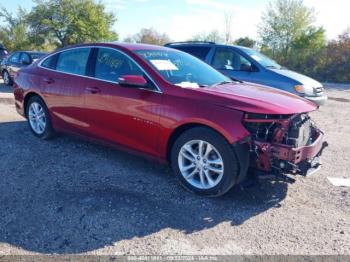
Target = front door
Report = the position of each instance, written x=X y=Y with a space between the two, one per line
x=233 y=64
x=128 y=116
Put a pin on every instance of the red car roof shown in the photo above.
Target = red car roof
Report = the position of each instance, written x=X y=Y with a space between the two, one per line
x=133 y=46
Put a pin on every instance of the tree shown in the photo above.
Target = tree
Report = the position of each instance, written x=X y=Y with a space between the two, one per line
x=284 y=24
x=13 y=34
x=149 y=36
x=306 y=52
x=213 y=36
x=228 y=27
x=336 y=67
x=67 y=22
x=245 y=41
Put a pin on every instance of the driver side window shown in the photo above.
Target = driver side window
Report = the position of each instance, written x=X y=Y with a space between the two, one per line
x=111 y=64
x=227 y=59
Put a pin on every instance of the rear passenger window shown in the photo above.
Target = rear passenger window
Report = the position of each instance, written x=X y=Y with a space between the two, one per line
x=200 y=52
x=111 y=64
x=73 y=61
x=50 y=62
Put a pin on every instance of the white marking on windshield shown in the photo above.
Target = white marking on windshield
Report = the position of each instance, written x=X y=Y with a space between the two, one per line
x=164 y=65
x=188 y=85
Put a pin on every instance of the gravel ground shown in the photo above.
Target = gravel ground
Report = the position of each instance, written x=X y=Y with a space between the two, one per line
x=68 y=196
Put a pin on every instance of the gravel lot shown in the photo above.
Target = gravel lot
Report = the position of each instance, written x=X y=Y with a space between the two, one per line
x=68 y=196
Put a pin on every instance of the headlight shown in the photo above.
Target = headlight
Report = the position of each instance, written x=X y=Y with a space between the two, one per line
x=299 y=88
x=304 y=89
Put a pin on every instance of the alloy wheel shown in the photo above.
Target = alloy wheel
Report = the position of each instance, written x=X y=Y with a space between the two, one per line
x=37 y=118
x=201 y=164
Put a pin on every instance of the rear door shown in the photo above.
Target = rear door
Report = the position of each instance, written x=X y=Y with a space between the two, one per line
x=64 y=84
x=128 y=116
x=233 y=64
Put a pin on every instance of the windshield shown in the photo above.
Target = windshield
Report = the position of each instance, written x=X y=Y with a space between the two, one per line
x=182 y=69
x=262 y=59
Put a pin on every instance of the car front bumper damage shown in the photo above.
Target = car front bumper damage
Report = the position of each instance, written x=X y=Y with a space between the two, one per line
x=276 y=157
x=291 y=145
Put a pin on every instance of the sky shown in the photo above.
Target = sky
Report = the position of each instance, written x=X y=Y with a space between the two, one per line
x=181 y=19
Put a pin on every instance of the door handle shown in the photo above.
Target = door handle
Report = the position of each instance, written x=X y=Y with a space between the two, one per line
x=49 y=80
x=93 y=90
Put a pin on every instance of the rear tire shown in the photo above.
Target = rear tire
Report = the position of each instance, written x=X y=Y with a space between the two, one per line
x=7 y=78
x=38 y=118
x=204 y=162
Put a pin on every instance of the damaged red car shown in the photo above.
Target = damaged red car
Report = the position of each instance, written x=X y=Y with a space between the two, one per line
x=170 y=106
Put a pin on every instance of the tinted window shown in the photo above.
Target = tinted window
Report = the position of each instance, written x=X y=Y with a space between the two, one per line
x=25 y=59
x=15 y=57
x=111 y=64
x=50 y=62
x=198 y=51
x=227 y=59
x=73 y=61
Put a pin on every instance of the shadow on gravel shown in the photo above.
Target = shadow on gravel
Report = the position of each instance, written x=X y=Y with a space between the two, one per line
x=339 y=99
x=70 y=196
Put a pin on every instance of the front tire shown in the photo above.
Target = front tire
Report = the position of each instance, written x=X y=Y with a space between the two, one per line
x=7 y=78
x=39 y=119
x=204 y=162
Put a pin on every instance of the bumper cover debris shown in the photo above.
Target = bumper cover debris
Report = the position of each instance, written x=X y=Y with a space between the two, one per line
x=277 y=155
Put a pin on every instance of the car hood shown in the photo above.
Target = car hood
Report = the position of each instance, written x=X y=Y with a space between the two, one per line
x=254 y=98
x=302 y=79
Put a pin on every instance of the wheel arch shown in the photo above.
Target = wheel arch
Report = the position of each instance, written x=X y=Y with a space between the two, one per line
x=241 y=150
x=27 y=97
x=180 y=129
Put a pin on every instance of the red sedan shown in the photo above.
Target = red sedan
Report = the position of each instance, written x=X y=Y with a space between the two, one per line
x=170 y=106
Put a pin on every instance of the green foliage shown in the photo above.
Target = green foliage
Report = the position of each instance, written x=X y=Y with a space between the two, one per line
x=67 y=22
x=288 y=35
x=306 y=53
x=13 y=34
x=245 y=41
x=283 y=23
x=56 y=23
x=149 y=36
x=335 y=66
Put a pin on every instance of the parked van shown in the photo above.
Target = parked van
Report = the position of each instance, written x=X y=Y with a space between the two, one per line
x=249 y=65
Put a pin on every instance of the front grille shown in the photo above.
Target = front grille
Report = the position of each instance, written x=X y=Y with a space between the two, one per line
x=318 y=91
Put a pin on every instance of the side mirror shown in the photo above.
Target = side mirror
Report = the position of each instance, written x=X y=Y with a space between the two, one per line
x=24 y=62
x=132 y=81
x=247 y=68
